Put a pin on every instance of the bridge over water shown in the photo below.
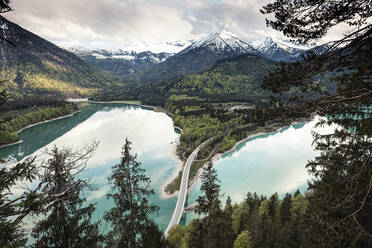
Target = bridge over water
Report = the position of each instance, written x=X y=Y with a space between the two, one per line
x=178 y=211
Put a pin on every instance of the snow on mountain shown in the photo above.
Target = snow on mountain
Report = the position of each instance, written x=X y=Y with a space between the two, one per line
x=120 y=62
x=120 y=54
x=167 y=47
x=166 y=60
x=222 y=42
x=280 y=50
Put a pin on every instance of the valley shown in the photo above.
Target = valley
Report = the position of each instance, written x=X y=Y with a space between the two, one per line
x=148 y=124
x=110 y=123
x=218 y=98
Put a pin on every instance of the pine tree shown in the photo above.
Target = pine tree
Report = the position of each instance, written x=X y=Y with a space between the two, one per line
x=244 y=240
x=272 y=206
x=217 y=225
x=228 y=207
x=14 y=208
x=130 y=190
x=285 y=209
x=68 y=222
x=210 y=191
x=153 y=237
x=196 y=233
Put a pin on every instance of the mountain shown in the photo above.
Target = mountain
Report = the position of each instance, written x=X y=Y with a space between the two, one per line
x=120 y=62
x=159 y=62
x=284 y=51
x=279 y=51
x=236 y=79
x=37 y=67
x=198 y=56
x=225 y=43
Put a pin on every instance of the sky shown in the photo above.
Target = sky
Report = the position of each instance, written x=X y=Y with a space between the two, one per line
x=121 y=23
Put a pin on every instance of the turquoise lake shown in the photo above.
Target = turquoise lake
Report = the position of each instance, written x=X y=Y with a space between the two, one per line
x=264 y=164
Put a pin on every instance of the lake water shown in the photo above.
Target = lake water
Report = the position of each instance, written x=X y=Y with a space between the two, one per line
x=264 y=164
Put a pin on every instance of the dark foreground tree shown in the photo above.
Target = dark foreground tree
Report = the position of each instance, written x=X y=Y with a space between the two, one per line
x=68 y=222
x=130 y=190
x=153 y=237
x=38 y=192
x=341 y=193
x=14 y=208
x=214 y=230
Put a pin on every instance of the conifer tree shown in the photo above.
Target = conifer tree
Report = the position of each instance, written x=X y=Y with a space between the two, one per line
x=68 y=222
x=14 y=208
x=130 y=190
x=217 y=226
x=153 y=237
x=285 y=209
x=244 y=240
x=210 y=189
x=196 y=235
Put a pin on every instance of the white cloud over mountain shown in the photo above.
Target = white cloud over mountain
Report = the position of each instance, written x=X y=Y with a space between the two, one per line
x=118 y=23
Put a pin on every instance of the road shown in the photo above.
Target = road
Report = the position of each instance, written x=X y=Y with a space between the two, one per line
x=178 y=211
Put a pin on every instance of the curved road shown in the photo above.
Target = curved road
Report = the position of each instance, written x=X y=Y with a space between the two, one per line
x=178 y=211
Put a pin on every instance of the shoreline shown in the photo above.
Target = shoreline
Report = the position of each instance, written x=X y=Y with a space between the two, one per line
x=216 y=157
x=46 y=121
x=180 y=165
x=13 y=143
x=77 y=100
x=35 y=124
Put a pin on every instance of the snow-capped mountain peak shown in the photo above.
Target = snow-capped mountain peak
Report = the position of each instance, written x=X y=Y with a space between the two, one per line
x=279 y=49
x=222 y=42
x=225 y=34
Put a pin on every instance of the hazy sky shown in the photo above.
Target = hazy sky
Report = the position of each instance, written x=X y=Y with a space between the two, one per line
x=117 y=23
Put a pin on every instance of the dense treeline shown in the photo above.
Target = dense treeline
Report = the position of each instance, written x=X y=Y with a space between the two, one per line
x=236 y=79
x=258 y=221
x=30 y=101
x=225 y=80
x=12 y=122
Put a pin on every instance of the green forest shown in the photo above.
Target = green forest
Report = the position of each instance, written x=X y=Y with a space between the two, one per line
x=13 y=121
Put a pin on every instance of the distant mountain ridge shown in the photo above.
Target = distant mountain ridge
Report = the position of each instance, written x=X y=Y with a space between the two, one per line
x=36 y=66
x=121 y=62
x=199 y=55
x=279 y=51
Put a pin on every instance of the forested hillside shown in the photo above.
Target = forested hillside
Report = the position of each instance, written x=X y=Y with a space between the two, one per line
x=34 y=66
x=235 y=79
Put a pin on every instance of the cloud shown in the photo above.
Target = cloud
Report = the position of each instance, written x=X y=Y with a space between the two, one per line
x=123 y=22
x=119 y=23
